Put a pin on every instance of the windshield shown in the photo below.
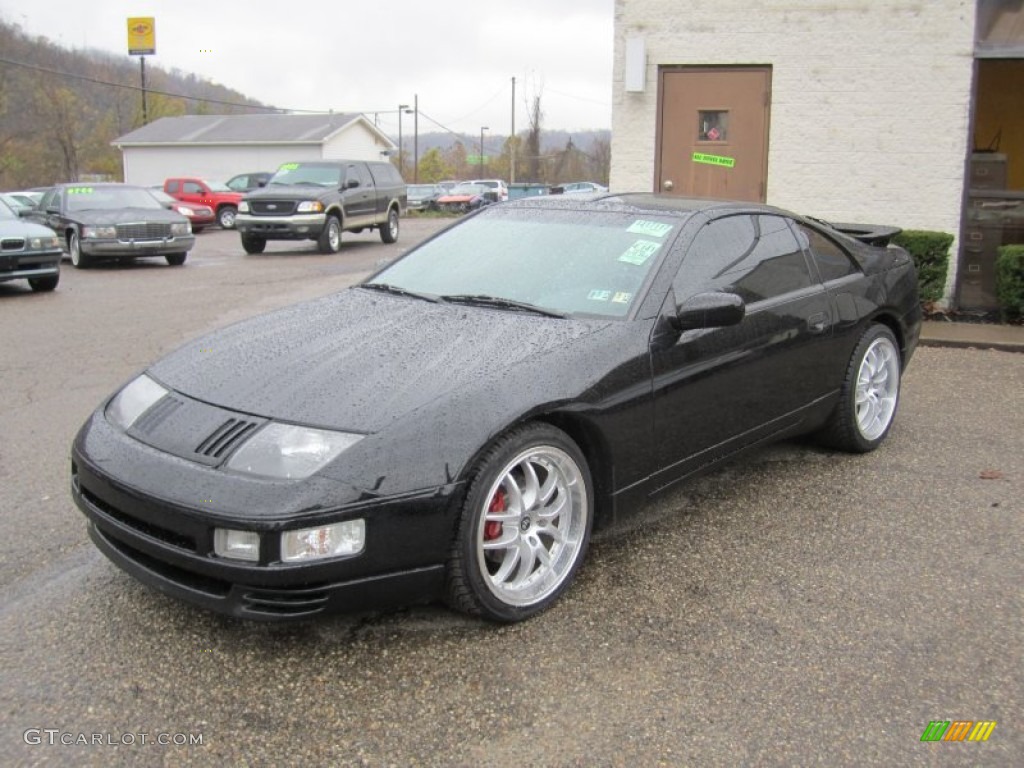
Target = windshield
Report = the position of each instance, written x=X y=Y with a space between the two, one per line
x=300 y=173
x=592 y=262
x=111 y=198
x=218 y=186
x=468 y=189
x=6 y=212
x=422 y=189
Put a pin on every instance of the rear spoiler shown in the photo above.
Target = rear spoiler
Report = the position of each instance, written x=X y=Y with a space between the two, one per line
x=869 y=234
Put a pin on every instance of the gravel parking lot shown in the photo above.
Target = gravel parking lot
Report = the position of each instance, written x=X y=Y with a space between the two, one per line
x=801 y=608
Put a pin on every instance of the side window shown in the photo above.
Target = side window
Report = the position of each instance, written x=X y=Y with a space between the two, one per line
x=831 y=260
x=172 y=187
x=756 y=257
x=356 y=172
x=191 y=188
x=50 y=200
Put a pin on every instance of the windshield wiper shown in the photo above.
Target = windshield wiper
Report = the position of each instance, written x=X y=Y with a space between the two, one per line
x=496 y=301
x=394 y=289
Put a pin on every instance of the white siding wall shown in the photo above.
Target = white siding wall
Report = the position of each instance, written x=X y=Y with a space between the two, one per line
x=870 y=99
x=151 y=165
x=356 y=142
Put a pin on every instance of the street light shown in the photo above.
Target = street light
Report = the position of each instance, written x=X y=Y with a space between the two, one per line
x=401 y=164
x=483 y=162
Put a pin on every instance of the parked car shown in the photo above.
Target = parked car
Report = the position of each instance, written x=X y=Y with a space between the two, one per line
x=423 y=196
x=457 y=424
x=497 y=185
x=320 y=200
x=212 y=194
x=28 y=251
x=199 y=216
x=16 y=202
x=467 y=196
x=579 y=188
x=243 y=182
x=113 y=221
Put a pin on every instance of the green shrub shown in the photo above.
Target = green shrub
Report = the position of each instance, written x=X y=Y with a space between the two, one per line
x=930 y=251
x=1010 y=282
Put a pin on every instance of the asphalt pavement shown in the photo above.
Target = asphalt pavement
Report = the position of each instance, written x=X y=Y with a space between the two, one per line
x=803 y=607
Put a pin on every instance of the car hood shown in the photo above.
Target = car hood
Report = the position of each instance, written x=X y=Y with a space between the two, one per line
x=358 y=360
x=289 y=192
x=23 y=228
x=102 y=218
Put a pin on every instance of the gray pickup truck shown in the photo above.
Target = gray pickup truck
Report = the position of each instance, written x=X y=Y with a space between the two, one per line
x=319 y=200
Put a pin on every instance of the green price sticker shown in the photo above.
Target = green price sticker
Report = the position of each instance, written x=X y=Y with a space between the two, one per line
x=719 y=160
x=649 y=228
x=80 y=190
x=288 y=167
x=639 y=252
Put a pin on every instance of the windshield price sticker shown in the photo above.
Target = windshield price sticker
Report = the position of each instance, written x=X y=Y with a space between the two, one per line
x=80 y=190
x=621 y=298
x=288 y=167
x=725 y=162
x=639 y=252
x=597 y=295
x=649 y=228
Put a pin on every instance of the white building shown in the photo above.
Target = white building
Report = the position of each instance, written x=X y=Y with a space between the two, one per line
x=217 y=147
x=846 y=110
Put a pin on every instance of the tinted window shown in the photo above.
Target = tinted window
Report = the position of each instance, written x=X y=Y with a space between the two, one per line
x=191 y=188
x=832 y=261
x=757 y=257
x=172 y=186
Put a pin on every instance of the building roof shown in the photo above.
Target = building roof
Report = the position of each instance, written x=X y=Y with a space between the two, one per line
x=245 y=129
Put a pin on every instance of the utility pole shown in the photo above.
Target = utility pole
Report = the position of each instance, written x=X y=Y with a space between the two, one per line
x=401 y=164
x=512 y=138
x=142 y=72
x=416 y=139
x=483 y=163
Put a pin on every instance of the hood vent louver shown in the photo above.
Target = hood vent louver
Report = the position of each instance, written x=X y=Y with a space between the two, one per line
x=226 y=437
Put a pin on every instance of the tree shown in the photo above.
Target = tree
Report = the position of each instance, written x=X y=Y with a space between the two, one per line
x=433 y=167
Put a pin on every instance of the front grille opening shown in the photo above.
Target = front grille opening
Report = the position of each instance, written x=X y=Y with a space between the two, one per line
x=193 y=581
x=148 y=529
x=225 y=437
x=12 y=244
x=286 y=602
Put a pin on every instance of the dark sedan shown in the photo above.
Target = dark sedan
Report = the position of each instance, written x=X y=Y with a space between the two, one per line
x=455 y=426
x=113 y=221
x=28 y=251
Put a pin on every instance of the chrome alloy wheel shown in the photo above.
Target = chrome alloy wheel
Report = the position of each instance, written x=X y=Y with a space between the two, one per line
x=878 y=386
x=530 y=536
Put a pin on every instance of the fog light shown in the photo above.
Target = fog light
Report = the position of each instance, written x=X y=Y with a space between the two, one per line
x=238 y=545
x=335 y=540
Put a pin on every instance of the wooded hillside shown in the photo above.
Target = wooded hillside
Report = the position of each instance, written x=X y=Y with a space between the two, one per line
x=60 y=109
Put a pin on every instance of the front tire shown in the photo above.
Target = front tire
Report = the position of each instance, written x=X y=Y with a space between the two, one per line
x=44 y=284
x=253 y=244
x=524 y=528
x=176 y=259
x=226 y=217
x=389 y=231
x=79 y=260
x=869 y=394
x=330 y=238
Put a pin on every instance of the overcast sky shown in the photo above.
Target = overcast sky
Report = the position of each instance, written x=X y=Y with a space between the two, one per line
x=369 y=56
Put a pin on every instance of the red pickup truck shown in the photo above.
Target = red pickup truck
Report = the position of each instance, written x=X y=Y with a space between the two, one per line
x=212 y=193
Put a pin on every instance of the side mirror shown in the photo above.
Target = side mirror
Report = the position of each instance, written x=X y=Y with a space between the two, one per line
x=709 y=310
x=351 y=184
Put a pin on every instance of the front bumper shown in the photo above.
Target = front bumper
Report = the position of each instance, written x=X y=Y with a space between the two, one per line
x=132 y=248
x=166 y=540
x=301 y=227
x=29 y=264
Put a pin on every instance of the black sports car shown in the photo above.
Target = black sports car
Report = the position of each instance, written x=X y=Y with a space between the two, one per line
x=112 y=221
x=455 y=426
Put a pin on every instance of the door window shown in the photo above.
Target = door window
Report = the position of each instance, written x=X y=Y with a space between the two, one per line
x=191 y=188
x=756 y=257
x=712 y=125
x=832 y=261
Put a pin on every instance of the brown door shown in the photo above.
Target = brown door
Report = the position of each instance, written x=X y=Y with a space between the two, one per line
x=713 y=132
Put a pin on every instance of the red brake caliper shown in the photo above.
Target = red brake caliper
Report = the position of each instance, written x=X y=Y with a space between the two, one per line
x=492 y=528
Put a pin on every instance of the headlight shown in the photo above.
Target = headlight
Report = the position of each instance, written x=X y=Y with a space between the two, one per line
x=310 y=206
x=290 y=452
x=133 y=401
x=185 y=211
x=243 y=207
x=97 y=232
x=336 y=540
x=181 y=228
x=43 y=243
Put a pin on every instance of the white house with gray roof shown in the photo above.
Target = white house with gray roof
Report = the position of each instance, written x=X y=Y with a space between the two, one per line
x=217 y=147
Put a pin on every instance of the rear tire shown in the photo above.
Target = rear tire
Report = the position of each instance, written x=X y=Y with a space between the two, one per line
x=868 y=396
x=389 y=230
x=524 y=527
x=330 y=238
x=176 y=259
x=253 y=244
x=44 y=284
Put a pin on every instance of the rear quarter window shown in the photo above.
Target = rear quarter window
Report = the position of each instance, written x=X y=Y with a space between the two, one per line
x=832 y=261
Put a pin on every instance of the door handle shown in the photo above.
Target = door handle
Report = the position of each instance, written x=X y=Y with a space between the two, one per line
x=817 y=322
x=667 y=185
